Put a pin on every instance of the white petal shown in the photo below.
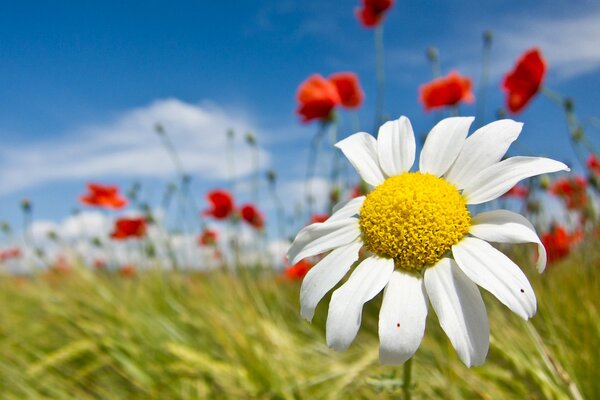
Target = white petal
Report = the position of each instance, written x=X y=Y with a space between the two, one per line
x=486 y=146
x=396 y=146
x=401 y=318
x=321 y=237
x=361 y=150
x=498 y=178
x=345 y=308
x=460 y=309
x=496 y=273
x=443 y=144
x=346 y=209
x=321 y=278
x=505 y=226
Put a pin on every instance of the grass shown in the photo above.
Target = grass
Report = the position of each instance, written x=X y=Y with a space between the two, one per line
x=164 y=335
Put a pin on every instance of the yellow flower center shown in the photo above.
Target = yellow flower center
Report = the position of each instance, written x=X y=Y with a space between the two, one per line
x=414 y=218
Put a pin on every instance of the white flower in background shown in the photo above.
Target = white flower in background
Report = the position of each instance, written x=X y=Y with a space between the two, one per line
x=423 y=246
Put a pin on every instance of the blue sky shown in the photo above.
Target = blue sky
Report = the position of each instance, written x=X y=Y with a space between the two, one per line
x=81 y=86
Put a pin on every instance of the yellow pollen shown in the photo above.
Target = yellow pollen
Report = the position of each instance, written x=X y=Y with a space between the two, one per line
x=413 y=218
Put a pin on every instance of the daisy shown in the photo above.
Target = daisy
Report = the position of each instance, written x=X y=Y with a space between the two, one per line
x=422 y=244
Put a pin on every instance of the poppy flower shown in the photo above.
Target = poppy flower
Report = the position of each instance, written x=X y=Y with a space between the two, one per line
x=318 y=218
x=518 y=191
x=593 y=164
x=127 y=271
x=99 y=264
x=348 y=87
x=9 y=254
x=129 y=228
x=573 y=191
x=372 y=11
x=524 y=81
x=208 y=237
x=317 y=97
x=446 y=91
x=298 y=271
x=222 y=204
x=104 y=196
x=252 y=216
x=558 y=242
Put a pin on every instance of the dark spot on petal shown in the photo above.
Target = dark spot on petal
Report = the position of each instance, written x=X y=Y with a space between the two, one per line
x=398 y=325
x=522 y=291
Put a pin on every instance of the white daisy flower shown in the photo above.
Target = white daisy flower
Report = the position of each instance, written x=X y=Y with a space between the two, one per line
x=423 y=245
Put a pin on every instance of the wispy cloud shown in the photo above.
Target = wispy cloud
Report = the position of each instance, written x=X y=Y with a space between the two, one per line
x=570 y=43
x=128 y=146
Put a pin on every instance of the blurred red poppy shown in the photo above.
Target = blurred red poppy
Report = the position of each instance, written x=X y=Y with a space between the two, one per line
x=518 y=191
x=298 y=271
x=372 y=11
x=317 y=97
x=253 y=216
x=104 y=196
x=593 y=164
x=348 y=87
x=208 y=237
x=572 y=190
x=11 y=253
x=524 y=81
x=318 y=218
x=222 y=204
x=129 y=228
x=558 y=242
x=446 y=91
x=127 y=271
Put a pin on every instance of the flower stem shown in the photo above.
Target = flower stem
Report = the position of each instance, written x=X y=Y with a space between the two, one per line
x=380 y=75
x=406 y=379
x=310 y=168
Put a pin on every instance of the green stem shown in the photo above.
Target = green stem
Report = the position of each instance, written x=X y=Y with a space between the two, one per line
x=380 y=75
x=310 y=168
x=485 y=76
x=406 y=379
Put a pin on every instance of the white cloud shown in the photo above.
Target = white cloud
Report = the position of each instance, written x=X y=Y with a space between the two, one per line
x=128 y=146
x=569 y=43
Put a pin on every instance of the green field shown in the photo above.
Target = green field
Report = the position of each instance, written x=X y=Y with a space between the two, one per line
x=166 y=335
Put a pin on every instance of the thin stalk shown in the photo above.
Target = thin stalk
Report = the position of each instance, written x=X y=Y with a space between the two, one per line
x=406 y=380
x=313 y=156
x=485 y=77
x=279 y=213
x=335 y=156
x=380 y=75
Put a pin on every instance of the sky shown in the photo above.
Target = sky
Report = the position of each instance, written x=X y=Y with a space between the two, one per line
x=82 y=86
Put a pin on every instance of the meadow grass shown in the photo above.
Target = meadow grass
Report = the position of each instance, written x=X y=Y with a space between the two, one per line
x=167 y=335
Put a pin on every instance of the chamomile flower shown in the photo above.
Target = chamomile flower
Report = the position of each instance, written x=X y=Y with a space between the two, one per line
x=422 y=243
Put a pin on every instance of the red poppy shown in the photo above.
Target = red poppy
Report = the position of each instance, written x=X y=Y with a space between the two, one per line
x=319 y=218
x=9 y=254
x=518 y=191
x=317 y=97
x=348 y=87
x=104 y=196
x=558 y=242
x=446 y=91
x=222 y=204
x=298 y=271
x=573 y=191
x=129 y=228
x=127 y=271
x=372 y=11
x=593 y=164
x=99 y=263
x=253 y=216
x=208 y=237
x=524 y=81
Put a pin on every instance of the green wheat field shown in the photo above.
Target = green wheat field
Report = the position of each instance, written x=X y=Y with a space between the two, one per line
x=167 y=335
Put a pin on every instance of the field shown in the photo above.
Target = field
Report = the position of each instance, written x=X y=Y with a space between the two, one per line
x=88 y=335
